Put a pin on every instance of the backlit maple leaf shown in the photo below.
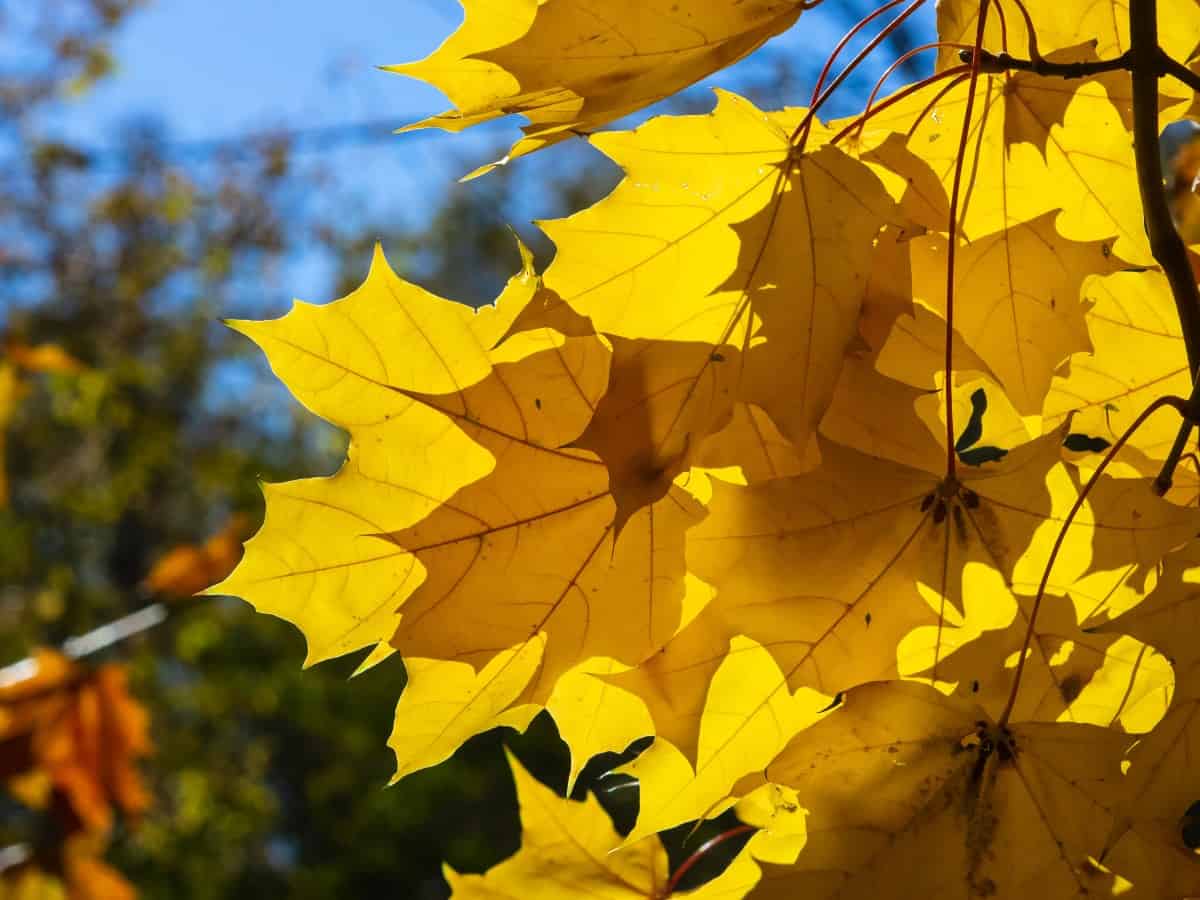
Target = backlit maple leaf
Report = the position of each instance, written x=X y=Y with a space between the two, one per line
x=571 y=66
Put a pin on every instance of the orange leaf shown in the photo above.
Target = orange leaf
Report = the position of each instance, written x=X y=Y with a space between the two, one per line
x=190 y=568
x=84 y=730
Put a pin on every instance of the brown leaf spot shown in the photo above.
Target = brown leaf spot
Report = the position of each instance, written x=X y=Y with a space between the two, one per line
x=1071 y=687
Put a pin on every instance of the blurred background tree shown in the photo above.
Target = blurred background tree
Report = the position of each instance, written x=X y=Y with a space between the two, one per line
x=133 y=424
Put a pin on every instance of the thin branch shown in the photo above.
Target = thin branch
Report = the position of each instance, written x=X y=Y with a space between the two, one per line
x=958 y=73
x=93 y=641
x=1178 y=71
x=1030 y=29
x=802 y=130
x=841 y=45
x=1195 y=461
x=701 y=852
x=1166 y=475
x=1165 y=243
x=14 y=855
x=952 y=231
x=115 y=632
x=890 y=70
x=1176 y=403
x=994 y=63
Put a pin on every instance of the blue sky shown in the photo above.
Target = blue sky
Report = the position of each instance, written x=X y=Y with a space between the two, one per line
x=216 y=68
x=213 y=69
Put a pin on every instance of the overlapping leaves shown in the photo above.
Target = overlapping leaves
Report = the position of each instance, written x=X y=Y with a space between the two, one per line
x=700 y=482
x=571 y=66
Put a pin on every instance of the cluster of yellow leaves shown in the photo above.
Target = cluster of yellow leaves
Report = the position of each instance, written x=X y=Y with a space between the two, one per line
x=70 y=739
x=567 y=851
x=694 y=480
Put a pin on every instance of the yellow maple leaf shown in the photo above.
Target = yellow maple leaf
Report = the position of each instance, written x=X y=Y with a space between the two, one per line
x=1018 y=299
x=749 y=715
x=754 y=444
x=446 y=702
x=1061 y=26
x=489 y=583
x=566 y=850
x=571 y=67
x=663 y=399
x=1069 y=676
x=817 y=619
x=594 y=716
x=832 y=570
x=884 y=416
x=1153 y=842
x=1138 y=354
x=777 y=813
x=434 y=589
x=405 y=457
x=907 y=787
x=1080 y=165
x=722 y=234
